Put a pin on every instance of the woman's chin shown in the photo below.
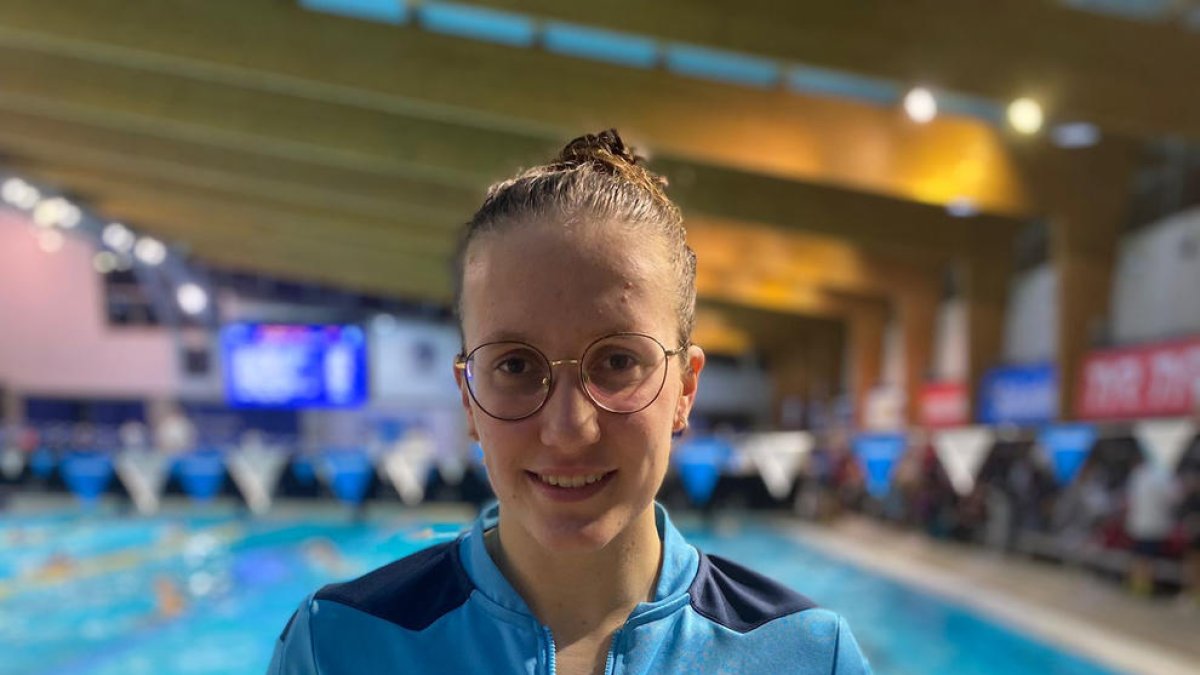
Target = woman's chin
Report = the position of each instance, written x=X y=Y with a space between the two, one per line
x=573 y=535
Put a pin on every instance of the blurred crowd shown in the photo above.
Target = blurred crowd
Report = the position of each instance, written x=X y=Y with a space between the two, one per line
x=1123 y=516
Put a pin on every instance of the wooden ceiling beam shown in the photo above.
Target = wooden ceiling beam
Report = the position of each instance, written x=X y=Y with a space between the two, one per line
x=510 y=92
x=39 y=113
x=1062 y=56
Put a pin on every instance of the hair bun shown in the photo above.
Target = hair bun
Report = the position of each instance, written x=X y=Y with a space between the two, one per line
x=605 y=147
x=607 y=152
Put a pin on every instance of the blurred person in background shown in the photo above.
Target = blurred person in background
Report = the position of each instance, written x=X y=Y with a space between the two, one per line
x=59 y=566
x=1191 y=525
x=175 y=433
x=324 y=554
x=1189 y=482
x=937 y=502
x=1152 y=495
x=1082 y=509
x=583 y=261
x=168 y=600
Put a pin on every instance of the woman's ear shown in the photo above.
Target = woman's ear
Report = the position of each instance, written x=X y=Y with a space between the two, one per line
x=460 y=380
x=691 y=383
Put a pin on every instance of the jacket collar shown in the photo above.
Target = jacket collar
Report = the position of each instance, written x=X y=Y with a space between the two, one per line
x=680 y=560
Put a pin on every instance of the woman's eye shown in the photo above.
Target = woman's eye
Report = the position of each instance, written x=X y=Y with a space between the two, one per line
x=513 y=366
x=619 y=362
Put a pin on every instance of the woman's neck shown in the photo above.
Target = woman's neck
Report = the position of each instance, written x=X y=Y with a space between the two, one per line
x=581 y=595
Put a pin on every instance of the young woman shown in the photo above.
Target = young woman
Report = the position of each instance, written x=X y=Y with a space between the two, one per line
x=576 y=295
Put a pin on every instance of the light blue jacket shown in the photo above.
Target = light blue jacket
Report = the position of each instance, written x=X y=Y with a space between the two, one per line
x=448 y=609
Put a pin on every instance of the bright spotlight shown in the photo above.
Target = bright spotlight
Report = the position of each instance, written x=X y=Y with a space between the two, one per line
x=1025 y=115
x=192 y=299
x=19 y=193
x=920 y=105
x=118 y=237
x=104 y=262
x=56 y=211
x=150 y=251
x=50 y=240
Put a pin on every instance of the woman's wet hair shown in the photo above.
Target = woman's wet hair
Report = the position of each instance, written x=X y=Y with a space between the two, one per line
x=598 y=179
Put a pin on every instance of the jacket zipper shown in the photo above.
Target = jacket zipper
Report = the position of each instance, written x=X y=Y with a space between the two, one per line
x=612 y=650
x=608 y=661
x=550 y=649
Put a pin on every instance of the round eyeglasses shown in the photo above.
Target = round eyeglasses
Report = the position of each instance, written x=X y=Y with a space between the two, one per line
x=621 y=373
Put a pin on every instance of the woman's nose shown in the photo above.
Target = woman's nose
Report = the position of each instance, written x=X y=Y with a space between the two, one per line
x=569 y=418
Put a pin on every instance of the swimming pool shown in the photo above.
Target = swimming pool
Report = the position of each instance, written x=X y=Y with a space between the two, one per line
x=102 y=594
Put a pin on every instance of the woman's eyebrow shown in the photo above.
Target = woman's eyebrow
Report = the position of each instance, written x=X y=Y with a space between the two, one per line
x=506 y=336
x=518 y=336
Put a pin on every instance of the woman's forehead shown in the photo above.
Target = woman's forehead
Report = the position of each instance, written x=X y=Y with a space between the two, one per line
x=526 y=281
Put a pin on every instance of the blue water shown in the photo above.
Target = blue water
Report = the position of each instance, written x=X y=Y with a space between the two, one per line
x=78 y=594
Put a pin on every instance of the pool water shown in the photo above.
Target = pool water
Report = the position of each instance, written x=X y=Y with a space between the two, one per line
x=102 y=594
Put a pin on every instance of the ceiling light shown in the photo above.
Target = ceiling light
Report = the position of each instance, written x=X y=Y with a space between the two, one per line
x=920 y=105
x=1025 y=115
x=104 y=262
x=56 y=211
x=19 y=193
x=118 y=237
x=150 y=251
x=192 y=299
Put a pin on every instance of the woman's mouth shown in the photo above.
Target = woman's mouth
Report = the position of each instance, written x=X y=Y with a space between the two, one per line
x=570 y=487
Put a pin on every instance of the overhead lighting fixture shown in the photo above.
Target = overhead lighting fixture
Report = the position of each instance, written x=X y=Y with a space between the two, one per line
x=19 y=193
x=192 y=299
x=920 y=105
x=50 y=241
x=104 y=262
x=1075 y=135
x=56 y=211
x=1025 y=115
x=150 y=251
x=962 y=207
x=118 y=237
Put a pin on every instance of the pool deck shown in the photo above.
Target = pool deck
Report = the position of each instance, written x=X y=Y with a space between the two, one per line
x=1069 y=607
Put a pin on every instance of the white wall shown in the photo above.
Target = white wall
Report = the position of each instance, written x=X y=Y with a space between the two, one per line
x=950 y=342
x=1156 y=283
x=1031 y=322
x=54 y=339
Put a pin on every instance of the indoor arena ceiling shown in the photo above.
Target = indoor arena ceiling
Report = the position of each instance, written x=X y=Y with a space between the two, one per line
x=261 y=135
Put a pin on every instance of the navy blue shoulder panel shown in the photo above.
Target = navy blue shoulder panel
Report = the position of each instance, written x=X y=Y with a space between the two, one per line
x=741 y=599
x=288 y=627
x=412 y=592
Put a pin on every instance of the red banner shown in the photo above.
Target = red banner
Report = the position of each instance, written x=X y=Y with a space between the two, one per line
x=1149 y=381
x=944 y=404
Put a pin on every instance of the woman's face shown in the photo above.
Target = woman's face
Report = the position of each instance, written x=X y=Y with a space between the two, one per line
x=559 y=289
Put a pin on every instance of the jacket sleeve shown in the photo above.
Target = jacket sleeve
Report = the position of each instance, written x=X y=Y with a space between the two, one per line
x=848 y=658
x=294 y=648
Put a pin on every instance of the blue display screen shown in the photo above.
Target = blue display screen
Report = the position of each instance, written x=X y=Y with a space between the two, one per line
x=294 y=366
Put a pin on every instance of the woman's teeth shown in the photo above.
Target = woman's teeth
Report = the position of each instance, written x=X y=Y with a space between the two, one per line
x=571 y=481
